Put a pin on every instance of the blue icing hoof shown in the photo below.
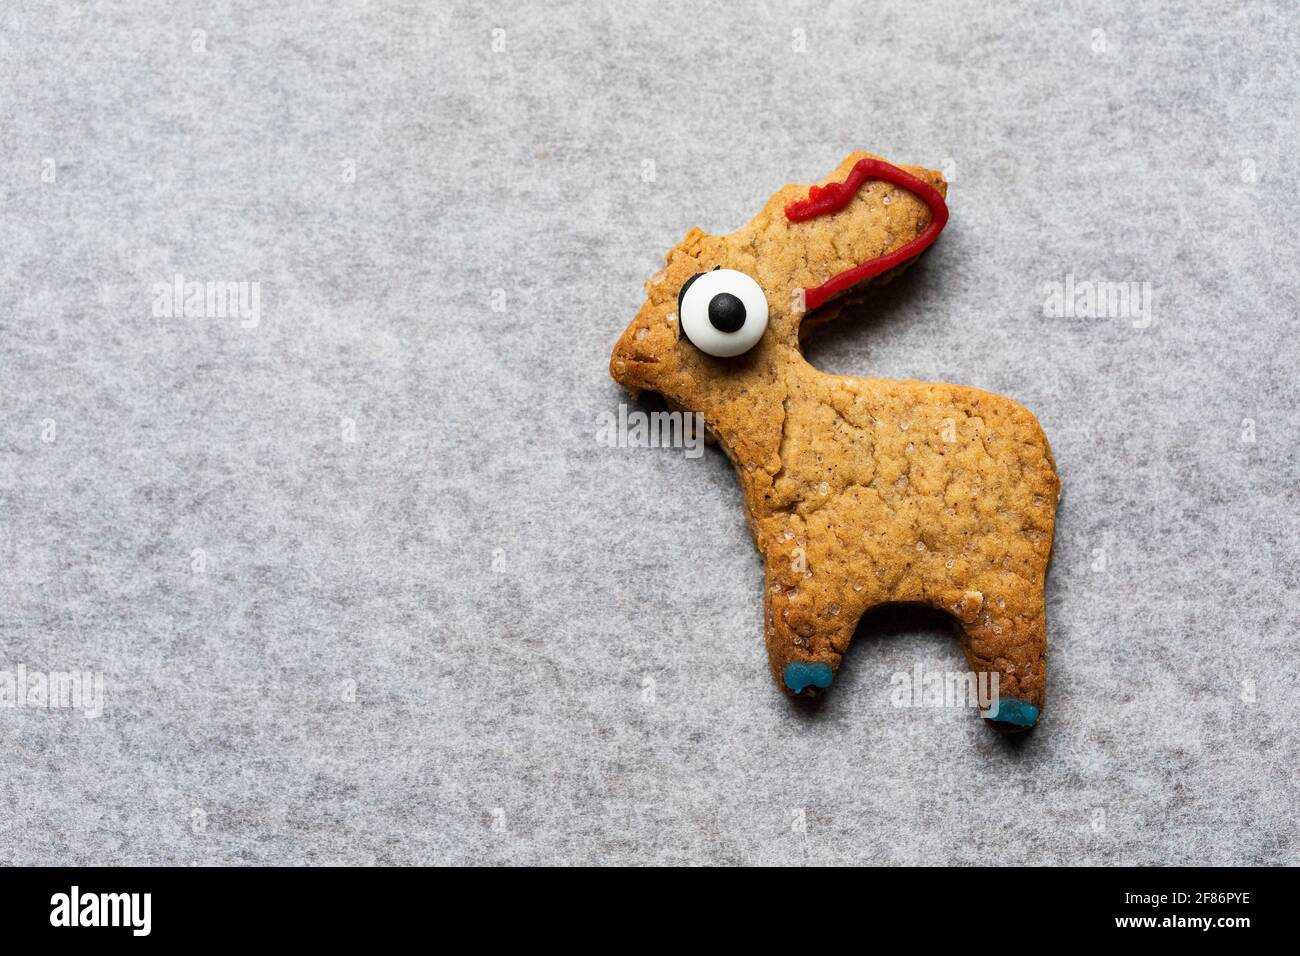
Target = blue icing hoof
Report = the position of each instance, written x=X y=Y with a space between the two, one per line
x=799 y=675
x=1018 y=713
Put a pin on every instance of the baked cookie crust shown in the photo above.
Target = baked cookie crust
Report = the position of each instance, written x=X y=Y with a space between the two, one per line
x=860 y=491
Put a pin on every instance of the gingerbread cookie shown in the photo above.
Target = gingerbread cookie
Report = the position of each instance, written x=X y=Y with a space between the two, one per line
x=858 y=491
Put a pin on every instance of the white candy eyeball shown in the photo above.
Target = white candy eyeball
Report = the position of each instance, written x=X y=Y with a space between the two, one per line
x=723 y=312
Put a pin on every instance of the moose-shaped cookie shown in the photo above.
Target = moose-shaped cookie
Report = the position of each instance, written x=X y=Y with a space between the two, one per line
x=858 y=491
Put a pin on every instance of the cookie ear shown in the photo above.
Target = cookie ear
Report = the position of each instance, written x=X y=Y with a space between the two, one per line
x=868 y=219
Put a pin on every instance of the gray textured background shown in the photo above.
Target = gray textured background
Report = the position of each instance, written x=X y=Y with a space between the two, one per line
x=475 y=635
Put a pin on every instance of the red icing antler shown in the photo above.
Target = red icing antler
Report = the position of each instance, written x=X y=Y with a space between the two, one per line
x=823 y=200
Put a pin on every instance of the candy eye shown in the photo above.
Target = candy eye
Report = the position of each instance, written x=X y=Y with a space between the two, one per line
x=723 y=312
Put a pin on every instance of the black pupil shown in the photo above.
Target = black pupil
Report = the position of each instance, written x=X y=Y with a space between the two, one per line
x=726 y=312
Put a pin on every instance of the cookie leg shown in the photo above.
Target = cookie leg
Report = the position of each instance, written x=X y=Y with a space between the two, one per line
x=1010 y=643
x=802 y=652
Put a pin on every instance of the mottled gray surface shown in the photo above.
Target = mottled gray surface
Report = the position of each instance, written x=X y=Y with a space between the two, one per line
x=472 y=634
